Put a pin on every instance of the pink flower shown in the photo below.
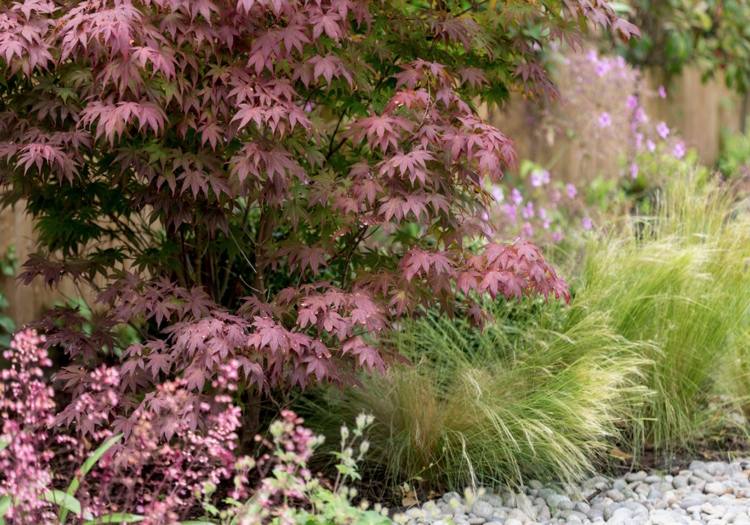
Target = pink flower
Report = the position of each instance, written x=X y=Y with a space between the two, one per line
x=516 y=196
x=650 y=145
x=662 y=129
x=662 y=92
x=633 y=170
x=586 y=223
x=602 y=68
x=571 y=191
x=640 y=116
x=539 y=178
x=528 y=230
x=679 y=150
x=605 y=120
x=557 y=236
x=497 y=194
x=632 y=102
x=528 y=211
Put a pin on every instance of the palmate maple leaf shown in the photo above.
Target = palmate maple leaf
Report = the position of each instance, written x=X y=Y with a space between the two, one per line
x=383 y=132
x=113 y=119
x=421 y=262
x=328 y=23
x=411 y=164
x=367 y=356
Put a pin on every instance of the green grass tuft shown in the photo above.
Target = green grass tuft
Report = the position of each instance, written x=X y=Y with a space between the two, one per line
x=680 y=281
x=498 y=406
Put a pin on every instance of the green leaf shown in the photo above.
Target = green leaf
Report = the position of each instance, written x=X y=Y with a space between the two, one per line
x=117 y=517
x=85 y=468
x=4 y=506
x=64 y=501
x=7 y=324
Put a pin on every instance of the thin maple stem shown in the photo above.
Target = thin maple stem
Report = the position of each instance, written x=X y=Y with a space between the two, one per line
x=227 y=275
x=472 y=7
x=183 y=274
x=331 y=151
x=357 y=239
x=265 y=230
x=383 y=76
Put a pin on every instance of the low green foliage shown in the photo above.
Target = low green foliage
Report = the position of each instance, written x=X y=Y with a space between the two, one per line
x=289 y=495
x=7 y=270
x=735 y=376
x=734 y=157
x=530 y=396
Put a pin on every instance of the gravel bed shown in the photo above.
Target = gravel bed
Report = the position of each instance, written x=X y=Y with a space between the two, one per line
x=706 y=492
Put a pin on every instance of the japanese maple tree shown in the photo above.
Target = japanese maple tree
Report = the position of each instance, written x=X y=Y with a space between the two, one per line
x=267 y=183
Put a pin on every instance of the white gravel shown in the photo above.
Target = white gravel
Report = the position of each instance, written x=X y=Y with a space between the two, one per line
x=707 y=492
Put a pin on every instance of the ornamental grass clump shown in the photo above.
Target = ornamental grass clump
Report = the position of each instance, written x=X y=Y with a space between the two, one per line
x=501 y=405
x=678 y=279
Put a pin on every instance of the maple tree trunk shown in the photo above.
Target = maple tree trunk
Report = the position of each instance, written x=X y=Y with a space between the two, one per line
x=250 y=418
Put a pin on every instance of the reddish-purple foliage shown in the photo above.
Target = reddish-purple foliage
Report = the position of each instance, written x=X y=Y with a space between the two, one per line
x=167 y=470
x=261 y=182
x=167 y=466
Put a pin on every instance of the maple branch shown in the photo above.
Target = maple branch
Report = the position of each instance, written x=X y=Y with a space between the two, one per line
x=183 y=253
x=472 y=7
x=350 y=253
x=265 y=230
x=331 y=151
x=382 y=78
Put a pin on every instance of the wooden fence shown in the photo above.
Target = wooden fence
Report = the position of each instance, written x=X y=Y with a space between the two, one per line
x=698 y=111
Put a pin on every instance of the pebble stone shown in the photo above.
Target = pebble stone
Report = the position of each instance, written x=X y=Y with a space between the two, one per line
x=707 y=492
